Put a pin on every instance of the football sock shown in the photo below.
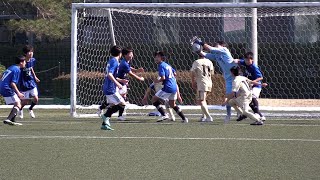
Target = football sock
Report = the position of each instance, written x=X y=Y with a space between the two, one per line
x=159 y=108
x=13 y=113
x=121 y=109
x=111 y=110
x=32 y=105
x=205 y=110
x=103 y=105
x=228 y=110
x=255 y=106
x=179 y=112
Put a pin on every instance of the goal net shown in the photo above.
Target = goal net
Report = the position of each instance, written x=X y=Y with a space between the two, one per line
x=287 y=39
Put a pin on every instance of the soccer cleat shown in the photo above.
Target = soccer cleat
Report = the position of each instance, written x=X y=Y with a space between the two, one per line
x=7 y=121
x=202 y=119
x=241 y=117
x=263 y=118
x=105 y=119
x=227 y=119
x=186 y=120
x=257 y=123
x=209 y=119
x=31 y=114
x=17 y=124
x=173 y=118
x=121 y=118
x=20 y=113
x=165 y=117
x=99 y=112
x=106 y=127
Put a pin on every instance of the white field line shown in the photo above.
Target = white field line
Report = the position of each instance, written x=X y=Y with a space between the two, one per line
x=3 y=136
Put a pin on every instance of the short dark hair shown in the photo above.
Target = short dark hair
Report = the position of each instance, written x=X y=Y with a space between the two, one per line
x=248 y=55
x=159 y=53
x=19 y=59
x=115 y=50
x=222 y=43
x=26 y=49
x=235 y=70
x=127 y=50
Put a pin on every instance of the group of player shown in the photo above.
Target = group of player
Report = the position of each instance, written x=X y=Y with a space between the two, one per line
x=115 y=85
x=241 y=92
x=18 y=85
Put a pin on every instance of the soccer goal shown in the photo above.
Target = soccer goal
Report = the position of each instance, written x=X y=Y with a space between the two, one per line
x=284 y=36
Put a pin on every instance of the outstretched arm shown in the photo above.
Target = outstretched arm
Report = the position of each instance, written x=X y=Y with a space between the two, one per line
x=135 y=76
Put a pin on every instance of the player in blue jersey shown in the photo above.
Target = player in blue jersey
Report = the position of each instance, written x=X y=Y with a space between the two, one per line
x=28 y=80
x=156 y=87
x=170 y=88
x=9 y=89
x=125 y=69
x=114 y=99
x=221 y=54
x=253 y=73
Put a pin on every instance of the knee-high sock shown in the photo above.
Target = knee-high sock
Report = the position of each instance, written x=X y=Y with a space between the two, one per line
x=13 y=113
x=159 y=108
x=32 y=105
x=255 y=106
x=121 y=109
x=179 y=112
x=169 y=110
x=103 y=105
x=204 y=109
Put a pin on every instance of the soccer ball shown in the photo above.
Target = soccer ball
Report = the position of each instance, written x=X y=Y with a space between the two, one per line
x=196 y=47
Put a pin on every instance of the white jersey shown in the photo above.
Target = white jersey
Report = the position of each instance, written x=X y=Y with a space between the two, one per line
x=203 y=69
x=241 y=85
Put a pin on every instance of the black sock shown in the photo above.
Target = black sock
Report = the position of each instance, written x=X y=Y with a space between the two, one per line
x=179 y=112
x=255 y=106
x=111 y=110
x=159 y=108
x=13 y=112
x=104 y=105
x=121 y=109
x=32 y=105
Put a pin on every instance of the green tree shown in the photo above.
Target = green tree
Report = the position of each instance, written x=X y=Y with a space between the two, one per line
x=49 y=18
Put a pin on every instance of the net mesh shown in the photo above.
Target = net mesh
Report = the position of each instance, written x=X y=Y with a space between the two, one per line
x=288 y=46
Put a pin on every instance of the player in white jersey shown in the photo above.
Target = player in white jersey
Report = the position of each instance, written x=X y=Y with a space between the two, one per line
x=201 y=72
x=156 y=87
x=241 y=95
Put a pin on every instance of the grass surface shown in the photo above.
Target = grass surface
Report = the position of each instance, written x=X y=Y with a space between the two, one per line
x=55 y=146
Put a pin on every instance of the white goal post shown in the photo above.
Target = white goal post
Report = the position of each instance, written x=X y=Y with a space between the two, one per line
x=280 y=34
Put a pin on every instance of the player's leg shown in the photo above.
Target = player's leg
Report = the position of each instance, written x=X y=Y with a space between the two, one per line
x=204 y=106
x=26 y=96
x=246 y=112
x=169 y=110
x=34 y=93
x=123 y=93
x=172 y=101
x=103 y=106
x=198 y=99
x=116 y=102
x=228 y=107
x=156 y=102
x=14 y=111
x=254 y=103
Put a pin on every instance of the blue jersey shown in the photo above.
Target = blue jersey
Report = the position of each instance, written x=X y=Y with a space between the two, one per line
x=170 y=82
x=27 y=80
x=11 y=75
x=252 y=72
x=124 y=69
x=225 y=60
x=109 y=87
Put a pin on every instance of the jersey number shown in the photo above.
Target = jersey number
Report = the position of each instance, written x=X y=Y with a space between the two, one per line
x=169 y=69
x=206 y=71
x=5 y=75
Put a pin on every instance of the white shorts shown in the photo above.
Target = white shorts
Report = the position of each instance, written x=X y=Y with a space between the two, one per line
x=30 y=93
x=166 y=96
x=115 y=98
x=124 y=89
x=12 y=99
x=256 y=92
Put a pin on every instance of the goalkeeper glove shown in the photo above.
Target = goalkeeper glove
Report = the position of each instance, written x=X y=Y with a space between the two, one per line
x=196 y=40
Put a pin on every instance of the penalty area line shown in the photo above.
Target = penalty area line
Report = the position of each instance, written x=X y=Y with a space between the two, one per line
x=3 y=136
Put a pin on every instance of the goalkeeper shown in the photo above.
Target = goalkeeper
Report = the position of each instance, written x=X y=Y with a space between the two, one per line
x=221 y=54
